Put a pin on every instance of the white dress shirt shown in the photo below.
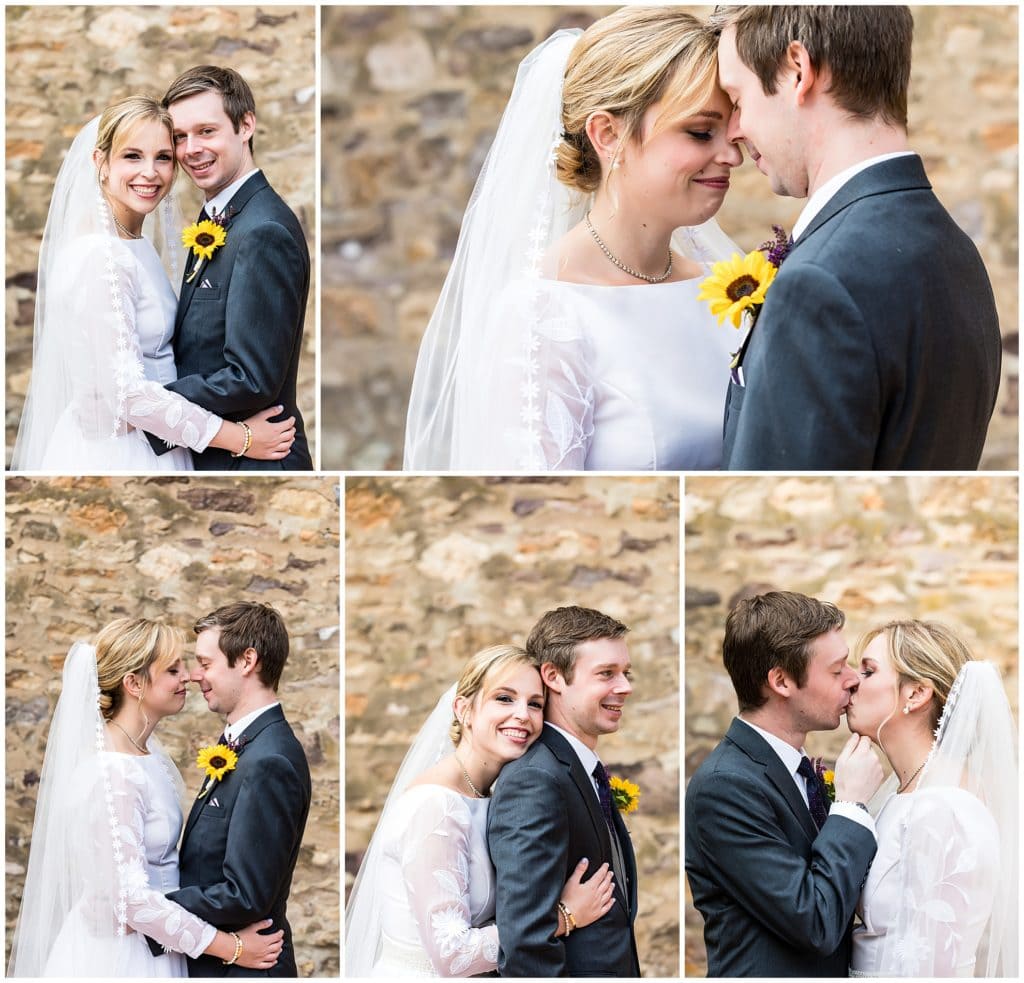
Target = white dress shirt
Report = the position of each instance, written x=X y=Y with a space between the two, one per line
x=233 y=731
x=828 y=190
x=217 y=204
x=790 y=757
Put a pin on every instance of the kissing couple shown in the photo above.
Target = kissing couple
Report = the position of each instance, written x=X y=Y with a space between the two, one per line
x=107 y=892
x=499 y=847
x=573 y=331
x=127 y=376
x=801 y=872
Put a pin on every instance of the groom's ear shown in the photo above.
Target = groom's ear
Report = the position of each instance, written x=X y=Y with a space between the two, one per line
x=552 y=678
x=779 y=682
x=250 y=659
x=802 y=72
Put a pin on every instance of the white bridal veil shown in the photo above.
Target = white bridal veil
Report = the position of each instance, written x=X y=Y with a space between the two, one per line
x=363 y=911
x=518 y=209
x=84 y=348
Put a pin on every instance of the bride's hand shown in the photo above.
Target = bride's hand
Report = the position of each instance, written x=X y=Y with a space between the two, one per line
x=260 y=951
x=270 y=441
x=588 y=902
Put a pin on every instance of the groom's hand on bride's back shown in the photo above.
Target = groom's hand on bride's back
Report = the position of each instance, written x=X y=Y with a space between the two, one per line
x=858 y=770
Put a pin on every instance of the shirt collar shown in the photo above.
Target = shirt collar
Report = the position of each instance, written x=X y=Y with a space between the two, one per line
x=587 y=757
x=233 y=731
x=788 y=754
x=221 y=200
x=827 y=191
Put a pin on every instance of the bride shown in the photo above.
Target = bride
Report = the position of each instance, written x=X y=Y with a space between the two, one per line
x=423 y=901
x=104 y=846
x=105 y=312
x=940 y=898
x=568 y=334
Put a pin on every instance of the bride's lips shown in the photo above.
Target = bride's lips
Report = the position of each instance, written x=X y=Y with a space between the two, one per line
x=715 y=183
x=145 y=190
x=517 y=735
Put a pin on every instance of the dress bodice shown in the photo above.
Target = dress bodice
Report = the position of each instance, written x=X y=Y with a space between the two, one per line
x=437 y=885
x=155 y=310
x=590 y=377
x=940 y=888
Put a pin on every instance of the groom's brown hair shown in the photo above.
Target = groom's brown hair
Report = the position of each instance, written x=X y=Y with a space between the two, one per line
x=773 y=630
x=554 y=638
x=865 y=49
x=234 y=91
x=248 y=625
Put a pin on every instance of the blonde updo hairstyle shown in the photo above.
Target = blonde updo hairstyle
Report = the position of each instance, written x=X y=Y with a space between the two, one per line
x=486 y=668
x=923 y=652
x=130 y=646
x=119 y=119
x=623 y=64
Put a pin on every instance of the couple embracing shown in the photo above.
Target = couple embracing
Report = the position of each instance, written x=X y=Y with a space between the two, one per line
x=500 y=848
x=575 y=327
x=107 y=892
x=802 y=872
x=127 y=376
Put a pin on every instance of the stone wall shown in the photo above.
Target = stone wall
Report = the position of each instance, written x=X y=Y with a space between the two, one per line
x=411 y=98
x=880 y=548
x=83 y=551
x=65 y=64
x=437 y=569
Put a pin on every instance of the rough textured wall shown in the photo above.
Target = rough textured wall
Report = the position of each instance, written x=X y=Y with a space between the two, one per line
x=83 y=551
x=880 y=548
x=65 y=64
x=411 y=99
x=437 y=569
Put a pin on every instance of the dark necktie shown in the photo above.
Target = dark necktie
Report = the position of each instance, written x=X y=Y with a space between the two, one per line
x=204 y=215
x=815 y=792
x=604 y=793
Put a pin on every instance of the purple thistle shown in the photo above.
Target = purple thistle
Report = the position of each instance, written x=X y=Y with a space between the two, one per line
x=777 y=248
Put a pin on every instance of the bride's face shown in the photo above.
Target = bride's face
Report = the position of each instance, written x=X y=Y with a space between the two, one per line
x=681 y=171
x=506 y=716
x=140 y=169
x=165 y=693
x=874 y=700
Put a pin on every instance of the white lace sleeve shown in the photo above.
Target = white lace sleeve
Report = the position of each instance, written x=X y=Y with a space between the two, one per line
x=435 y=865
x=946 y=885
x=111 y=392
x=532 y=408
x=138 y=906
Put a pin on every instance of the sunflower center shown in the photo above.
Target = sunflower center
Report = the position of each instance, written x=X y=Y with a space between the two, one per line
x=217 y=762
x=205 y=239
x=742 y=286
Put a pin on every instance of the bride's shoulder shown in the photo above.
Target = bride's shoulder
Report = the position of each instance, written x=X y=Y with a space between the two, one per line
x=953 y=807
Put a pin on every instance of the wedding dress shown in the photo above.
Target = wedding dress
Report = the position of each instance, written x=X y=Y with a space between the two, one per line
x=423 y=901
x=104 y=851
x=940 y=898
x=102 y=353
x=521 y=371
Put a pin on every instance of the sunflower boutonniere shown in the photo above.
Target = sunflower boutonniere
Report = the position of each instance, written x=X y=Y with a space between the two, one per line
x=204 y=239
x=216 y=761
x=827 y=777
x=625 y=794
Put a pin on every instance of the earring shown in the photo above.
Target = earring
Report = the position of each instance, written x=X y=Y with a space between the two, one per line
x=906 y=709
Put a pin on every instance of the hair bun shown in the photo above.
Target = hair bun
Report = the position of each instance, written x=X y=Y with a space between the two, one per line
x=576 y=163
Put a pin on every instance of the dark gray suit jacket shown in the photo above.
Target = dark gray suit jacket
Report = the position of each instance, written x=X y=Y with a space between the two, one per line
x=776 y=895
x=543 y=819
x=878 y=346
x=237 y=341
x=242 y=839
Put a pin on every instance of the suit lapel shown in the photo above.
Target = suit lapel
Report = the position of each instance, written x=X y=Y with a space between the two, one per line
x=238 y=201
x=758 y=749
x=626 y=844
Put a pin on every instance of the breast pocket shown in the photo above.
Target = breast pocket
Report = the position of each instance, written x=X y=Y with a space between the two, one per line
x=207 y=294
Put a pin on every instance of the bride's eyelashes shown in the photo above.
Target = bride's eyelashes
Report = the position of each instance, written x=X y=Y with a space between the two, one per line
x=704 y=136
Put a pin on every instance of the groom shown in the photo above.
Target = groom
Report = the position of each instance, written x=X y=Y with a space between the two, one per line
x=774 y=870
x=242 y=837
x=238 y=331
x=552 y=807
x=878 y=346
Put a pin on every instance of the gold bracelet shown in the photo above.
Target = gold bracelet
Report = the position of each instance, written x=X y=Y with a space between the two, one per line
x=238 y=950
x=558 y=915
x=248 y=440
x=570 y=922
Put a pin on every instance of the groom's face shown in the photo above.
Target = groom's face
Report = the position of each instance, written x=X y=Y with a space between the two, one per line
x=221 y=684
x=209 y=150
x=765 y=124
x=825 y=695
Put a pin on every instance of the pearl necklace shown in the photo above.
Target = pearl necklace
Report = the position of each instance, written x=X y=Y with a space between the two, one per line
x=138 y=746
x=622 y=266
x=124 y=232
x=469 y=781
x=906 y=784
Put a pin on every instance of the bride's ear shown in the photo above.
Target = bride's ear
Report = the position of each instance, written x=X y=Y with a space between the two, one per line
x=916 y=696
x=605 y=133
x=99 y=159
x=132 y=685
